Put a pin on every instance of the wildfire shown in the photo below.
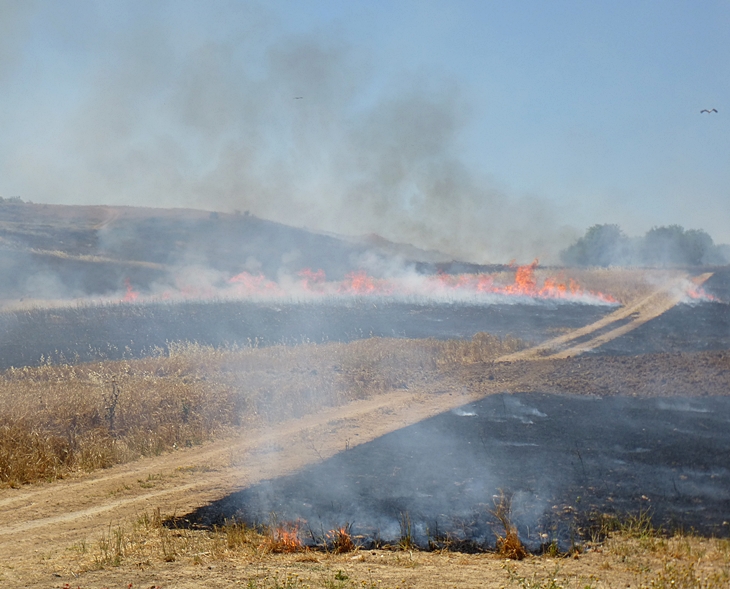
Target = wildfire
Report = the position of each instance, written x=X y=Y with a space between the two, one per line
x=341 y=539
x=285 y=538
x=525 y=285
x=246 y=282
x=361 y=284
x=312 y=280
x=130 y=296
x=698 y=293
x=312 y=284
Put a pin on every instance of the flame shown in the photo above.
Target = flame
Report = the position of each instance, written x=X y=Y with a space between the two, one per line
x=361 y=284
x=697 y=293
x=312 y=280
x=341 y=539
x=248 y=283
x=130 y=295
x=285 y=538
x=313 y=283
x=525 y=284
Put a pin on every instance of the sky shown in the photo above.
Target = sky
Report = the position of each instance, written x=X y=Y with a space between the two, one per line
x=488 y=130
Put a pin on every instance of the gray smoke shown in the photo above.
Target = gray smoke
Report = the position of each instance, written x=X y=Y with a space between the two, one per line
x=182 y=117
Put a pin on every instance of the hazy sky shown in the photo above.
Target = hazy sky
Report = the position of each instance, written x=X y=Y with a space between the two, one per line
x=487 y=129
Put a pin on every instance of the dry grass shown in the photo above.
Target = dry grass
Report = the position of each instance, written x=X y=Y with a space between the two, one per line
x=509 y=544
x=647 y=560
x=626 y=285
x=56 y=419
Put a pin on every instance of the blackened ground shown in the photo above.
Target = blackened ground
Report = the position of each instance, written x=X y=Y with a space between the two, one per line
x=692 y=327
x=562 y=458
x=688 y=327
x=80 y=334
x=718 y=284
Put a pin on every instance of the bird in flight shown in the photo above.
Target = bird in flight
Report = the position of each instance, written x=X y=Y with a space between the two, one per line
x=300 y=97
x=708 y=111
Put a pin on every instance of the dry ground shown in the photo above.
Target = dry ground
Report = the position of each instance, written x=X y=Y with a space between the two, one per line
x=102 y=528
x=69 y=527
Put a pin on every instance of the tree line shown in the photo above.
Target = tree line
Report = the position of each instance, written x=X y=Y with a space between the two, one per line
x=673 y=245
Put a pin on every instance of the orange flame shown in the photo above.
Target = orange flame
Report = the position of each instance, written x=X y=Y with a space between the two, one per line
x=361 y=284
x=247 y=283
x=311 y=279
x=525 y=284
x=341 y=539
x=314 y=283
x=698 y=293
x=130 y=295
x=285 y=538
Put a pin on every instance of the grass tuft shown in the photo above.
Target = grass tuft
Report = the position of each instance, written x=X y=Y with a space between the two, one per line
x=509 y=544
x=57 y=419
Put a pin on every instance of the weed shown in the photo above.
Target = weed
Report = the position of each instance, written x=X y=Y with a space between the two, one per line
x=407 y=541
x=509 y=544
x=340 y=540
x=686 y=576
x=111 y=548
x=550 y=581
x=283 y=538
x=110 y=404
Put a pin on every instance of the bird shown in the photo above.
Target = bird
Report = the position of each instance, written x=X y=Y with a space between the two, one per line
x=298 y=97
x=708 y=111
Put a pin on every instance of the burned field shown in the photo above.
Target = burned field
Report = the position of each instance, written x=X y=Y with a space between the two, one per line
x=91 y=333
x=565 y=461
x=640 y=438
x=571 y=441
x=690 y=327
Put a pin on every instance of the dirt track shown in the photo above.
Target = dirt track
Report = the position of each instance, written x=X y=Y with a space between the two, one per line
x=43 y=520
x=606 y=329
x=38 y=523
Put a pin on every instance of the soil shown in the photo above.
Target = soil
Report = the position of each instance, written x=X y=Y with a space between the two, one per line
x=41 y=522
x=563 y=458
x=643 y=426
x=115 y=331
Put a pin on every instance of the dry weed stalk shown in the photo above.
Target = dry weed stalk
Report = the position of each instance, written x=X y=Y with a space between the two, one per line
x=509 y=544
x=341 y=539
x=283 y=538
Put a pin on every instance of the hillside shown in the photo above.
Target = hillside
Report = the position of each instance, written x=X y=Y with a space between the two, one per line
x=54 y=251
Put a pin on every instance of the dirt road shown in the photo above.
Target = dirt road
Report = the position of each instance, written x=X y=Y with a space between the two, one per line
x=39 y=523
x=612 y=326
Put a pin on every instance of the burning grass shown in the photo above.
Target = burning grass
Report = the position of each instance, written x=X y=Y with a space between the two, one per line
x=57 y=419
x=626 y=285
x=647 y=560
x=508 y=544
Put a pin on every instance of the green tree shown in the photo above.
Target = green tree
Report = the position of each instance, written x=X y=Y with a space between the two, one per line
x=602 y=245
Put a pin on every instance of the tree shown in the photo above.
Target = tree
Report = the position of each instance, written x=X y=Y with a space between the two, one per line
x=602 y=245
x=675 y=246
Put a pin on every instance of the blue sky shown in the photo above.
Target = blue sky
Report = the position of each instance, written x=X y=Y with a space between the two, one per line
x=490 y=130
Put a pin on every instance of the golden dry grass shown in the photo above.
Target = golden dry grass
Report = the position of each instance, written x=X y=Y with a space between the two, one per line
x=626 y=285
x=56 y=419
x=623 y=558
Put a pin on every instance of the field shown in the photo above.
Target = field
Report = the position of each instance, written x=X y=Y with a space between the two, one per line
x=359 y=441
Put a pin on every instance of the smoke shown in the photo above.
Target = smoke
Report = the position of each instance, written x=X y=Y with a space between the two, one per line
x=560 y=458
x=14 y=19
x=297 y=128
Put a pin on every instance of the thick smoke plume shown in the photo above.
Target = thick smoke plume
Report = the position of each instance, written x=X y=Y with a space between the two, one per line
x=299 y=129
